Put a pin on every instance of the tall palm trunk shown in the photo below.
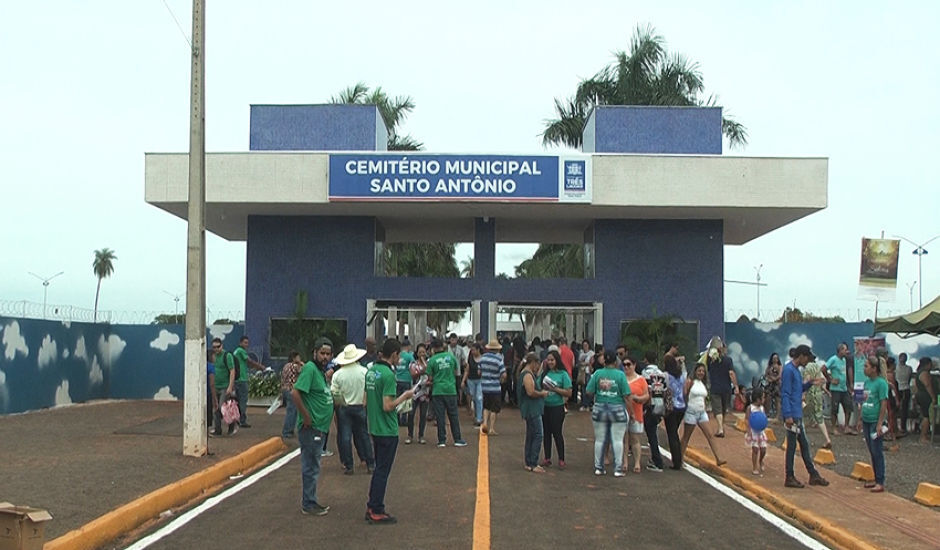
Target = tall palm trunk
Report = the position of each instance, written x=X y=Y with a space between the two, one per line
x=97 y=292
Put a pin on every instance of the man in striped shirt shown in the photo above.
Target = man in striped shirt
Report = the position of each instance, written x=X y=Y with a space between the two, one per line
x=493 y=373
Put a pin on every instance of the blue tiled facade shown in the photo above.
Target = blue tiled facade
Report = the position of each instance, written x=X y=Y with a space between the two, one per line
x=672 y=266
x=653 y=130
x=316 y=128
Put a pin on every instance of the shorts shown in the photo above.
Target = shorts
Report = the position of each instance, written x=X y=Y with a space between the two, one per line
x=841 y=398
x=721 y=402
x=693 y=417
x=493 y=402
x=756 y=439
x=635 y=427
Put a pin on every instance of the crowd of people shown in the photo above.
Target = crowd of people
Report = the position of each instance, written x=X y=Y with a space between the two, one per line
x=372 y=393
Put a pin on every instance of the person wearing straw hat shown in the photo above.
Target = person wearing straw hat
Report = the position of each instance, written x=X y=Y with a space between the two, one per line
x=493 y=373
x=348 y=386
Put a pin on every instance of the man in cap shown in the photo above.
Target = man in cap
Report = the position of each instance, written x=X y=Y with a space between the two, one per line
x=381 y=405
x=348 y=387
x=791 y=406
x=314 y=402
x=492 y=375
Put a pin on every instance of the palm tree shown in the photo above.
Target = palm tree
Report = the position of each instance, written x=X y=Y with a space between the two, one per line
x=553 y=261
x=645 y=75
x=393 y=111
x=466 y=268
x=102 y=266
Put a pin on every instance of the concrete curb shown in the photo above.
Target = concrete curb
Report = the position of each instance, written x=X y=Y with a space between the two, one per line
x=135 y=513
x=830 y=532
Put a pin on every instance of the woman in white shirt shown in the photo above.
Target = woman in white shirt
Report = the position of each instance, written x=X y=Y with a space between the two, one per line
x=695 y=412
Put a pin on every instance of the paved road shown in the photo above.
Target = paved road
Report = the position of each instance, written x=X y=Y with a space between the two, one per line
x=433 y=493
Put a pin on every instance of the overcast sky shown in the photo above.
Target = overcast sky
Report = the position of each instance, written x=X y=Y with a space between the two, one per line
x=88 y=87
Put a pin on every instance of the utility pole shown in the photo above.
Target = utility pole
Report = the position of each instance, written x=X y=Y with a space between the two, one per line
x=195 y=433
x=758 y=268
x=919 y=251
x=910 y=291
x=45 y=288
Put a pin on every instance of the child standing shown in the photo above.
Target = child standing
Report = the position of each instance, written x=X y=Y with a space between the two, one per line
x=757 y=439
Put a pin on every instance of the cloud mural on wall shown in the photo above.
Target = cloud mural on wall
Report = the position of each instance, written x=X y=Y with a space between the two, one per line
x=95 y=375
x=164 y=395
x=80 y=351
x=109 y=350
x=65 y=353
x=767 y=327
x=743 y=363
x=47 y=352
x=14 y=342
x=220 y=331
x=795 y=340
x=62 y=396
x=164 y=340
x=911 y=346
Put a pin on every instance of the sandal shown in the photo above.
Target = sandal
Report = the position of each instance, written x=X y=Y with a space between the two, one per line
x=636 y=470
x=870 y=485
x=828 y=445
x=537 y=470
x=721 y=463
x=719 y=434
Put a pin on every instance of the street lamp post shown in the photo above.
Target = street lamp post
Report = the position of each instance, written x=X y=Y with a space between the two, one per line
x=176 y=298
x=910 y=291
x=757 y=269
x=919 y=251
x=45 y=288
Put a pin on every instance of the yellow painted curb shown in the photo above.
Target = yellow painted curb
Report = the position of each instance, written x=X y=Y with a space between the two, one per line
x=824 y=457
x=928 y=494
x=741 y=425
x=133 y=514
x=862 y=471
x=771 y=436
x=823 y=528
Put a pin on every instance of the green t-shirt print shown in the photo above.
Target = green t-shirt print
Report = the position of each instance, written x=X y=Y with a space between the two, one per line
x=316 y=397
x=609 y=386
x=875 y=392
x=380 y=381
x=442 y=368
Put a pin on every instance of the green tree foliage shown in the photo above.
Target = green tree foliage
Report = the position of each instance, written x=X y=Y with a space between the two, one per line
x=553 y=261
x=646 y=74
x=654 y=332
x=102 y=266
x=794 y=315
x=170 y=319
x=393 y=111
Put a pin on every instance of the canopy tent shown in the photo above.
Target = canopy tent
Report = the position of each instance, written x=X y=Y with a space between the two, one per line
x=925 y=320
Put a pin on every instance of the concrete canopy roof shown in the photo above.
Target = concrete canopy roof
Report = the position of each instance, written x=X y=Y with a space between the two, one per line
x=751 y=195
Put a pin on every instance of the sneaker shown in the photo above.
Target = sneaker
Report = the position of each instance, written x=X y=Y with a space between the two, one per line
x=408 y=441
x=215 y=433
x=562 y=465
x=326 y=453
x=459 y=443
x=653 y=468
x=793 y=482
x=619 y=473
x=372 y=517
x=233 y=429
x=315 y=510
x=422 y=441
x=818 y=480
x=545 y=463
x=347 y=471
x=442 y=444
x=599 y=472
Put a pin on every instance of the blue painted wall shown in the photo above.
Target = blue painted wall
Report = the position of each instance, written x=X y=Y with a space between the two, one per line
x=317 y=128
x=750 y=345
x=653 y=130
x=674 y=266
x=48 y=363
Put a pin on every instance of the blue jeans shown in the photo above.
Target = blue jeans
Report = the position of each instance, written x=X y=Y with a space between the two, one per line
x=385 y=448
x=241 y=391
x=533 y=440
x=351 y=426
x=311 y=446
x=475 y=390
x=612 y=418
x=446 y=403
x=290 y=418
x=792 y=439
x=877 y=450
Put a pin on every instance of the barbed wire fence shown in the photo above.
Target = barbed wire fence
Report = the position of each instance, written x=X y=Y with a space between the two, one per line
x=850 y=315
x=56 y=312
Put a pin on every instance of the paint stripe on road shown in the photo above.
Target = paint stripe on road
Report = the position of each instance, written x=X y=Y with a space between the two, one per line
x=770 y=518
x=481 y=512
x=211 y=502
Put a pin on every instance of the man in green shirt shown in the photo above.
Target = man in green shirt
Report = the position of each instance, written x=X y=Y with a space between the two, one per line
x=314 y=402
x=442 y=374
x=241 y=384
x=381 y=405
x=224 y=385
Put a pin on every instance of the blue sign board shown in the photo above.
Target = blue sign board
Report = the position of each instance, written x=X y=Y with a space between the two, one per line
x=429 y=177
